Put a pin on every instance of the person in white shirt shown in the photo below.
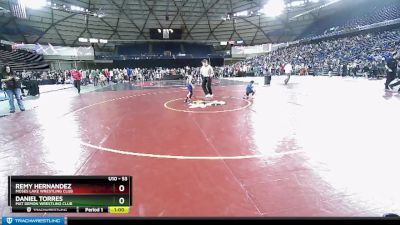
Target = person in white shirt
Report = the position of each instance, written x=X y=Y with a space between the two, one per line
x=125 y=75
x=112 y=75
x=207 y=73
x=288 y=71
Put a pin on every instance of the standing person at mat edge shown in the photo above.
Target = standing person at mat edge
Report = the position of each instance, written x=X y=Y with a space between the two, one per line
x=207 y=73
x=95 y=74
x=391 y=71
x=77 y=80
x=288 y=70
x=12 y=86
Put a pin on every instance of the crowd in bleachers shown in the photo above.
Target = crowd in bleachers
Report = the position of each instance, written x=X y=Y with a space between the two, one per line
x=368 y=12
x=21 y=60
x=106 y=76
x=115 y=75
x=362 y=54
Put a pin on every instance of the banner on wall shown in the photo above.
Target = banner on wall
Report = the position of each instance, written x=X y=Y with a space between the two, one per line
x=59 y=52
x=6 y=42
x=247 y=51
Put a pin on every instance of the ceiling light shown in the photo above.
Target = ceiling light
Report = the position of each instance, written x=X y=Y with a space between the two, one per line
x=34 y=4
x=83 y=40
x=242 y=13
x=296 y=3
x=273 y=8
x=94 y=40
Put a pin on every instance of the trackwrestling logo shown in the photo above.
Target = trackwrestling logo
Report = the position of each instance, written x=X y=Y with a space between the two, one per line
x=33 y=220
x=205 y=103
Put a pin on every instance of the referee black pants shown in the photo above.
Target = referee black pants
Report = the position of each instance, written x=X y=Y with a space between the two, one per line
x=389 y=78
x=396 y=83
x=287 y=79
x=206 y=85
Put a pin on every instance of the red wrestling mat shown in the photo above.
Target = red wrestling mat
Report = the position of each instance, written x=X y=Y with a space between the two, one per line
x=281 y=154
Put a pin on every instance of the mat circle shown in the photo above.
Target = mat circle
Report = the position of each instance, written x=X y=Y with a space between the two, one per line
x=168 y=105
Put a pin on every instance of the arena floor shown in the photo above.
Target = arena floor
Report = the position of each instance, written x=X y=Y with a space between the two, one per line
x=318 y=147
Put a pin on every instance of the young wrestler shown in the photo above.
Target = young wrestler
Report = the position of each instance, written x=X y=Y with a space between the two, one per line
x=190 y=88
x=250 y=90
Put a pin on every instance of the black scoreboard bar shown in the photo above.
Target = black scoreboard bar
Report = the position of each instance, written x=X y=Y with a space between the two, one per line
x=70 y=194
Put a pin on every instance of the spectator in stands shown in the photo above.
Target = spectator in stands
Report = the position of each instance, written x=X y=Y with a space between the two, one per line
x=106 y=73
x=282 y=69
x=87 y=77
x=374 y=70
x=344 y=70
x=84 y=80
x=95 y=75
x=330 y=69
x=340 y=54
x=398 y=68
x=354 y=69
x=121 y=76
x=116 y=75
x=12 y=85
x=125 y=74
x=111 y=75
x=391 y=71
x=59 y=79
x=366 y=70
x=103 y=79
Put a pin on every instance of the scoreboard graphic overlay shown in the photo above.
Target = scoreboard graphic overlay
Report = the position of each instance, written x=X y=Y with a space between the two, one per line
x=70 y=194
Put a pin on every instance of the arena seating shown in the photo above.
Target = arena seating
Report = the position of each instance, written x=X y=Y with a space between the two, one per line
x=197 y=50
x=361 y=50
x=135 y=49
x=23 y=60
x=374 y=11
x=156 y=50
x=160 y=48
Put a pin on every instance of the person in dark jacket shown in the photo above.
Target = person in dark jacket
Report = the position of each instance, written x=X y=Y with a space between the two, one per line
x=12 y=86
x=374 y=72
x=391 y=68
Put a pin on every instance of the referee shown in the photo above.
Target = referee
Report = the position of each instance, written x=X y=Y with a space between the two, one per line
x=207 y=73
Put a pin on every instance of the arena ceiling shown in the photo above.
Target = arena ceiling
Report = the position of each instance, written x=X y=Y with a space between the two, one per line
x=126 y=21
